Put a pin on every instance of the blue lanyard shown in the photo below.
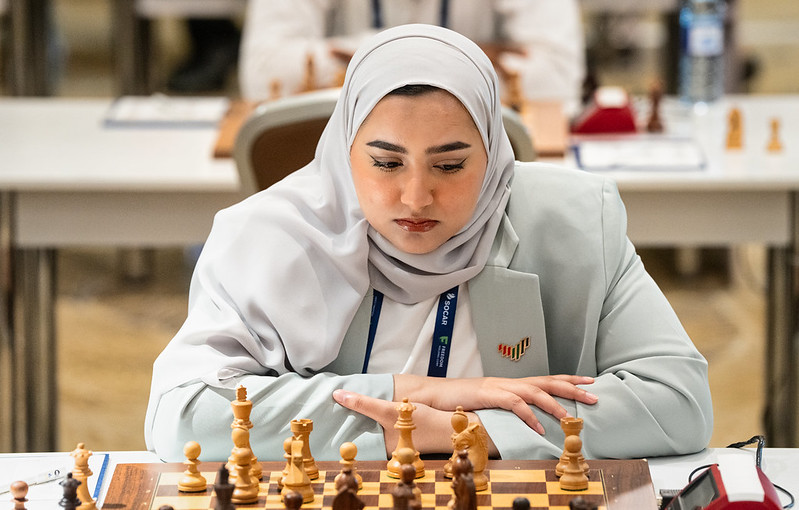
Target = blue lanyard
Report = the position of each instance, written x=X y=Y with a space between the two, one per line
x=442 y=332
x=377 y=14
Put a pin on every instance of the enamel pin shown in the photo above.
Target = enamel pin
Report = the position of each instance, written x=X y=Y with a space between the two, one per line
x=515 y=352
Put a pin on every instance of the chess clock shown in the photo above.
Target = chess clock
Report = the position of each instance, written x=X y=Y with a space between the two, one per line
x=609 y=111
x=735 y=483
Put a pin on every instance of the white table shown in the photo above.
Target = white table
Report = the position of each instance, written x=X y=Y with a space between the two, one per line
x=66 y=181
x=779 y=464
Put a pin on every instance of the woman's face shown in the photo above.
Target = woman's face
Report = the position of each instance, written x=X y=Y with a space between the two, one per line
x=418 y=164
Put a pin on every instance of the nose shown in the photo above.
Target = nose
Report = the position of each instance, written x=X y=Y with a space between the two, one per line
x=417 y=190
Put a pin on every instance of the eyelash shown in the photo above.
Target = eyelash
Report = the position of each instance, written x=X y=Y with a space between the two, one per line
x=391 y=165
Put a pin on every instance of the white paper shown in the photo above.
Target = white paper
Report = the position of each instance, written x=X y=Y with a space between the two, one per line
x=161 y=110
x=639 y=153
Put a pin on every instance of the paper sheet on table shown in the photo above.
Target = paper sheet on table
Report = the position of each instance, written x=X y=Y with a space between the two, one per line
x=28 y=467
x=159 y=110
x=636 y=153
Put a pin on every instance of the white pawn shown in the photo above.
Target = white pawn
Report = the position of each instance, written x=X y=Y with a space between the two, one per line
x=246 y=490
x=192 y=480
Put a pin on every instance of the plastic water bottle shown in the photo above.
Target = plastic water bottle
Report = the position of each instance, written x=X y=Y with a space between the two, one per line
x=701 y=50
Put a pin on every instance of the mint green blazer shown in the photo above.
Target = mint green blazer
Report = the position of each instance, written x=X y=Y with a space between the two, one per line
x=562 y=274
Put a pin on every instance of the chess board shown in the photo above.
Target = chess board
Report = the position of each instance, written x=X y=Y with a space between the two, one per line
x=613 y=485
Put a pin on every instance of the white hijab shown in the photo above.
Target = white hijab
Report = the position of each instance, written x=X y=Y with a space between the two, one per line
x=283 y=272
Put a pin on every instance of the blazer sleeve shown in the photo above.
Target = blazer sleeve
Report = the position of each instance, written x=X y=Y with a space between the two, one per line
x=651 y=381
x=198 y=412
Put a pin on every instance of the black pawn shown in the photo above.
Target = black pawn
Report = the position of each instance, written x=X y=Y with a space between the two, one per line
x=165 y=507
x=70 y=500
x=292 y=500
x=521 y=503
x=579 y=503
x=224 y=490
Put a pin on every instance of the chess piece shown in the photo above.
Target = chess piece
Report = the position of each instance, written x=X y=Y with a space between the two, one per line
x=655 y=124
x=406 y=495
x=521 y=503
x=515 y=93
x=224 y=490
x=348 y=452
x=287 y=456
x=309 y=81
x=573 y=478
x=292 y=500
x=774 y=144
x=473 y=438
x=166 y=507
x=192 y=480
x=275 y=89
x=579 y=503
x=346 y=497
x=246 y=488
x=464 y=495
x=19 y=491
x=405 y=426
x=571 y=426
x=302 y=430
x=82 y=472
x=297 y=479
x=241 y=422
x=734 y=129
x=69 y=500
x=459 y=423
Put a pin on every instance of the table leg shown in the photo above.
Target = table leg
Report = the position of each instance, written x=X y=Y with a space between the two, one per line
x=781 y=411
x=35 y=415
x=31 y=24
x=132 y=41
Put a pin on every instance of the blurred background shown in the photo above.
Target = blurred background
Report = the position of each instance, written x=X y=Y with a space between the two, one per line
x=113 y=322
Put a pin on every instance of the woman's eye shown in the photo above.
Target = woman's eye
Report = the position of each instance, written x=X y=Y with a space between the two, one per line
x=451 y=167
x=389 y=165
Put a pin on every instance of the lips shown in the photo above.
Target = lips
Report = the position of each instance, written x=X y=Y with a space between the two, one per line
x=416 y=224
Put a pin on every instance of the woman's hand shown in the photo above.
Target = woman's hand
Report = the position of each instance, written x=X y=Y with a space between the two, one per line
x=515 y=395
x=433 y=426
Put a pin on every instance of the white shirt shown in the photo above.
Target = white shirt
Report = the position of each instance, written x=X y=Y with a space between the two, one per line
x=404 y=338
x=278 y=36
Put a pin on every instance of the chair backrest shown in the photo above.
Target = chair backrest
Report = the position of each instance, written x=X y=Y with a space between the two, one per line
x=280 y=137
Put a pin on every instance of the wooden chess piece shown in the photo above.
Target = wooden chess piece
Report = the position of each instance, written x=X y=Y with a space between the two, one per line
x=464 y=495
x=192 y=480
x=579 y=503
x=246 y=487
x=571 y=426
x=515 y=92
x=292 y=500
x=224 y=490
x=82 y=472
x=774 y=144
x=346 y=497
x=406 y=495
x=734 y=129
x=521 y=503
x=287 y=455
x=275 y=89
x=166 y=507
x=459 y=423
x=573 y=478
x=19 y=491
x=302 y=430
x=69 y=500
x=241 y=421
x=297 y=479
x=405 y=426
x=309 y=81
x=348 y=452
x=655 y=124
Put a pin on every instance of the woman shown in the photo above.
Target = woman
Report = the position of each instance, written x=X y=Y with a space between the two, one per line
x=413 y=258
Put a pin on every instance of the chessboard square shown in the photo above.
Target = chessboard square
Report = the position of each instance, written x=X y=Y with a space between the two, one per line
x=369 y=488
x=517 y=475
x=428 y=500
x=443 y=487
x=593 y=488
x=385 y=500
x=514 y=488
x=506 y=500
x=183 y=502
x=562 y=500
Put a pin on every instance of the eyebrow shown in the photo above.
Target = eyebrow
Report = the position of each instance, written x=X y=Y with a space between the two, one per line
x=438 y=149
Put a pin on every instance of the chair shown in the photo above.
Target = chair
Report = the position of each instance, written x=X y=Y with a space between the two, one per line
x=281 y=136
